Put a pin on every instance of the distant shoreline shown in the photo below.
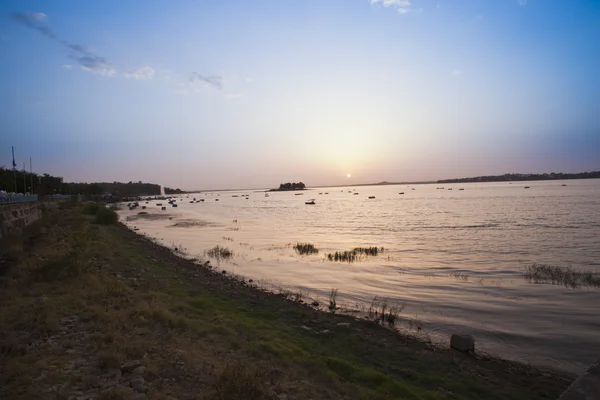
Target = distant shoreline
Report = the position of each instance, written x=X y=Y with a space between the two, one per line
x=524 y=177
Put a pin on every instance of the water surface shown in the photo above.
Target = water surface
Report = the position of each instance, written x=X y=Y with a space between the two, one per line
x=454 y=258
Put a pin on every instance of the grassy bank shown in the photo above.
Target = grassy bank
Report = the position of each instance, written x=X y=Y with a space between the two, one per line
x=80 y=299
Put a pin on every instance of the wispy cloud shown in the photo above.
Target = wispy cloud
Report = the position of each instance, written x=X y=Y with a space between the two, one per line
x=95 y=64
x=522 y=2
x=213 y=81
x=146 y=72
x=32 y=21
x=402 y=6
x=67 y=66
x=83 y=55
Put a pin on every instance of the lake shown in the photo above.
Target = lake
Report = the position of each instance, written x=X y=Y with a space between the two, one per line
x=453 y=260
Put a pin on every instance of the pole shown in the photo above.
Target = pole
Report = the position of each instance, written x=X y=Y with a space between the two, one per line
x=24 y=179
x=31 y=175
x=14 y=169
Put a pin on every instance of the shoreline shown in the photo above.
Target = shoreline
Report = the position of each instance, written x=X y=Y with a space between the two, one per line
x=251 y=289
x=124 y=317
x=263 y=252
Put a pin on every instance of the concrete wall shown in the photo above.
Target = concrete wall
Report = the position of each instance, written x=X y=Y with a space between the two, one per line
x=586 y=387
x=14 y=217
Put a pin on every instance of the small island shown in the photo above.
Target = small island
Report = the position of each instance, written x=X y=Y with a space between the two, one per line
x=289 y=186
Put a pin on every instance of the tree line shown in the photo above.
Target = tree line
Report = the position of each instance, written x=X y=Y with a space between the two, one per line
x=46 y=184
x=291 y=186
x=525 y=177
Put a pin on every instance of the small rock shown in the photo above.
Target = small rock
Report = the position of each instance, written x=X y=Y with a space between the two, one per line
x=306 y=328
x=464 y=343
x=136 y=381
x=139 y=388
x=138 y=396
x=108 y=385
x=344 y=324
x=282 y=397
x=130 y=366
x=139 y=371
x=315 y=304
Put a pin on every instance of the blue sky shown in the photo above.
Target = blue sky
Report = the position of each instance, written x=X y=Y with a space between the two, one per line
x=222 y=94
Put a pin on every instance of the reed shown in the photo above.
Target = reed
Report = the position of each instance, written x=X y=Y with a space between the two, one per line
x=355 y=254
x=332 y=302
x=369 y=251
x=305 y=248
x=555 y=275
x=219 y=253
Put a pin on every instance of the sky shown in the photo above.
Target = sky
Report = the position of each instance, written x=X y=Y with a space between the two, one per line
x=250 y=94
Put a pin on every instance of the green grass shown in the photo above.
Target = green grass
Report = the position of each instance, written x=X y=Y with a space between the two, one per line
x=242 y=343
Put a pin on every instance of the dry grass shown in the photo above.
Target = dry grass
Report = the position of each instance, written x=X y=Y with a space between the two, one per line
x=205 y=337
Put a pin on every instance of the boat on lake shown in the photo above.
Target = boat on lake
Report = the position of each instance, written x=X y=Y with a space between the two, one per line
x=311 y=201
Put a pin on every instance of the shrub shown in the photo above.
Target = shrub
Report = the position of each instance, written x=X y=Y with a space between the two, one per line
x=66 y=266
x=105 y=216
x=91 y=208
x=305 y=248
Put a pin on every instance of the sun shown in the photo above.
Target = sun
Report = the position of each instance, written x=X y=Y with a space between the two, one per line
x=349 y=176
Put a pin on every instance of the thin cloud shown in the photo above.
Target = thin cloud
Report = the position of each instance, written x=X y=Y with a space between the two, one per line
x=214 y=81
x=522 y=2
x=140 y=73
x=31 y=20
x=67 y=66
x=88 y=60
x=402 y=6
x=95 y=64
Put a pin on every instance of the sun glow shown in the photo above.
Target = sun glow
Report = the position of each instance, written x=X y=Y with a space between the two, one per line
x=349 y=176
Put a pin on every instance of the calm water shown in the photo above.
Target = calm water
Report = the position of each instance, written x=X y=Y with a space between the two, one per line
x=488 y=233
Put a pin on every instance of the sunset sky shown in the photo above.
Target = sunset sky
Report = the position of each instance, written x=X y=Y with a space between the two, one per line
x=248 y=94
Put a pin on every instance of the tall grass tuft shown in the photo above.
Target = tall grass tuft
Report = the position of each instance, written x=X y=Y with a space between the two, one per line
x=305 y=248
x=332 y=297
x=369 y=251
x=355 y=254
x=219 y=253
x=555 y=275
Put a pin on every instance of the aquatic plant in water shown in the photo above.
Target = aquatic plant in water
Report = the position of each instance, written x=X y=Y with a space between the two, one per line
x=355 y=254
x=305 y=248
x=555 y=275
x=220 y=253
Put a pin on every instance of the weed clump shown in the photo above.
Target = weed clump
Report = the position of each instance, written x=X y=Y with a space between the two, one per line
x=238 y=382
x=305 y=248
x=381 y=311
x=555 y=275
x=355 y=254
x=220 y=253
x=369 y=251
